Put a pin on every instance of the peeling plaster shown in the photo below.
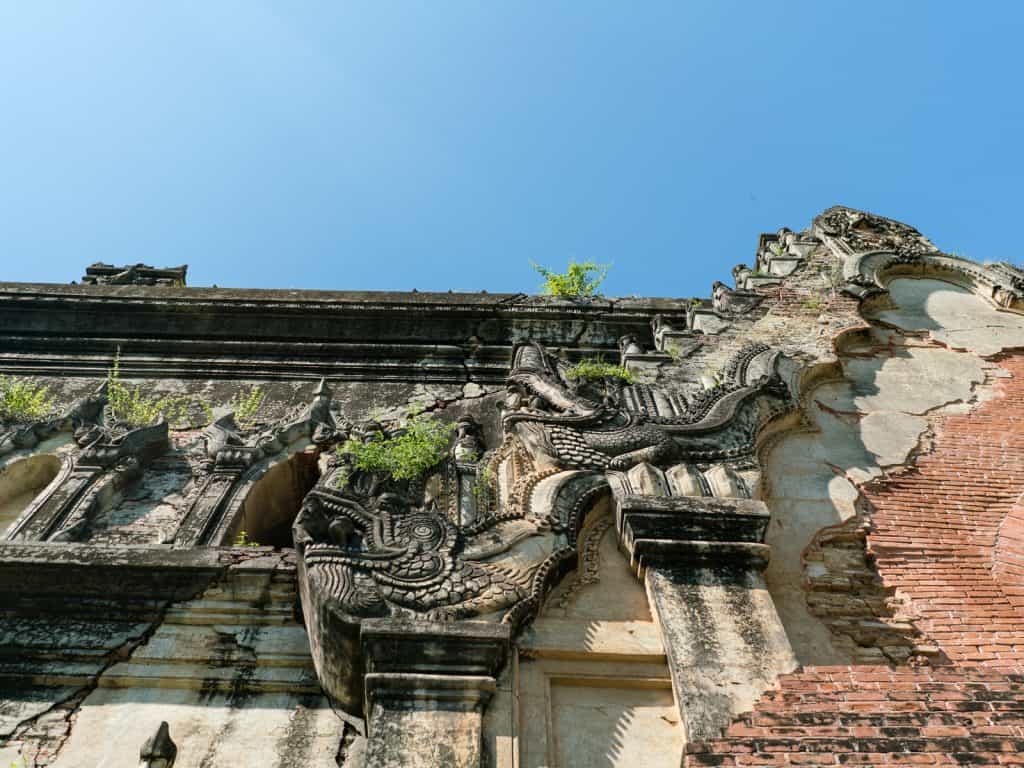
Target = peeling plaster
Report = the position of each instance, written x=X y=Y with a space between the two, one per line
x=952 y=316
x=872 y=422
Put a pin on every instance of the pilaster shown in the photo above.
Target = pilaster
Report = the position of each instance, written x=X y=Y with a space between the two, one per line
x=702 y=562
x=426 y=686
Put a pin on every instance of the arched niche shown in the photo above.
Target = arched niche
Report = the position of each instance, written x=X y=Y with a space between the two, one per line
x=21 y=481
x=603 y=586
x=273 y=501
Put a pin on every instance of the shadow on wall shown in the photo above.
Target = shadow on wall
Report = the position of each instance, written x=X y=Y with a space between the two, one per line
x=871 y=422
x=21 y=481
x=274 y=501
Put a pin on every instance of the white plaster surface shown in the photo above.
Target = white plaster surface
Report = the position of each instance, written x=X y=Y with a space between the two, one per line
x=871 y=421
x=953 y=316
x=609 y=726
x=278 y=730
x=232 y=675
x=591 y=686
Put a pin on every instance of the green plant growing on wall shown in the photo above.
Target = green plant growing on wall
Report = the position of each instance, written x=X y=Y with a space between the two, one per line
x=247 y=405
x=23 y=400
x=482 y=488
x=132 y=406
x=832 y=274
x=581 y=279
x=713 y=375
x=243 y=540
x=595 y=369
x=418 y=447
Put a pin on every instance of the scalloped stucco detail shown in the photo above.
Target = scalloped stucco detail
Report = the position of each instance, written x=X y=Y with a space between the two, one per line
x=952 y=316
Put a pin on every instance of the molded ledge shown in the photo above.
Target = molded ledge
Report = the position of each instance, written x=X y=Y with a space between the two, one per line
x=684 y=518
x=434 y=648
x=84 y=569
x=646 y=553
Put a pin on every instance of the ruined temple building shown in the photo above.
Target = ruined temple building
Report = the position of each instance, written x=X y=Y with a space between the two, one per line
x=781 y=525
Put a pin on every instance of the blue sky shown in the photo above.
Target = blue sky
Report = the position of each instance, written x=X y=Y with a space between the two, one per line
x=438 y=145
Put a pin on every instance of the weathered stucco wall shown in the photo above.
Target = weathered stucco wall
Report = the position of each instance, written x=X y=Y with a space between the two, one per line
x=885 y=531
x=794 y=537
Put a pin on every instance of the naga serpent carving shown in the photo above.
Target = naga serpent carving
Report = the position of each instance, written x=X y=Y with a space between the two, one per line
x=555 y=416
x=370 y=545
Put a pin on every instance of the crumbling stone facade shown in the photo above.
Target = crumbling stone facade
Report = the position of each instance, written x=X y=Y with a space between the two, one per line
x=787 y=531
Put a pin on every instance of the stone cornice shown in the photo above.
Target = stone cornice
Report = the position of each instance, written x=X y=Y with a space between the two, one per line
x=235 y=333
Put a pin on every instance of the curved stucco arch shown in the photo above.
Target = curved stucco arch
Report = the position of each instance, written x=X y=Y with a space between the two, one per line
x=269 y=497
x=23 y=480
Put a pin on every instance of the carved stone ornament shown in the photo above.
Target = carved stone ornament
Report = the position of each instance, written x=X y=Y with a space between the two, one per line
x=159 y=750
x=860 y=232
x=223 y=464
x=371 y=546
x=874 y=249
x=111 y=455
x=134 y=274
x=733 y=302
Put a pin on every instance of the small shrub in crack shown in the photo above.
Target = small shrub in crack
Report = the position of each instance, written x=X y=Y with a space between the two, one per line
x=131 y=405
x=246 y=406
x=23 y=400
x=591 y=369
x=420 y=445
x=581 y=279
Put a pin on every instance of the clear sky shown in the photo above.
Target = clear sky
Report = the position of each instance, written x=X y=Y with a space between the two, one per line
x=443 y=144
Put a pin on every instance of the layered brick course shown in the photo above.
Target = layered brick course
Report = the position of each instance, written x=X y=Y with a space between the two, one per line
x=936 y=528
x=876 y=716
x=949 y=535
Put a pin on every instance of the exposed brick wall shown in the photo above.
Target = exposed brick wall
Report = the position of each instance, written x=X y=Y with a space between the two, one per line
x=845 y=592
x=936 y=528
x=1009 y=556
x=871 y=715
x=949 y=536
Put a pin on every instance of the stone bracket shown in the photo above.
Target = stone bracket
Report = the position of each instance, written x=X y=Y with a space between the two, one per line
x=426 y=687
x=474 y=648
x=658 y=529
x=686 y=518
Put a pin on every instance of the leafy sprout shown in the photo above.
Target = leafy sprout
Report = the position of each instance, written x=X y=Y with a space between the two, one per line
x=247 y=405
x=418 y=447
x=131 y=405
x=243 y=540
x=596 y=368
x=23 y=400
x=580 y=279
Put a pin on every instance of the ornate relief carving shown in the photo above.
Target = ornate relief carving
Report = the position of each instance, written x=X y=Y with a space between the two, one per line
x=84 y=418
x=874 y=248
x=112 y=454
x=134 y=274
x=227 y=455
x=373 y=546
x=859 y=232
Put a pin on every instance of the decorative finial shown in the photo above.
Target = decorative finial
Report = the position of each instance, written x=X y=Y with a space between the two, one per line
x=322 y=390
x=159 y=751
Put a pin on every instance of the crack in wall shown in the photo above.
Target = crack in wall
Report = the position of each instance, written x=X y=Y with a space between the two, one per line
x=70 y=706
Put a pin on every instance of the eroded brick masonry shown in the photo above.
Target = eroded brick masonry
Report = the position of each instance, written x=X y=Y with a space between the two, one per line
x=323 y=529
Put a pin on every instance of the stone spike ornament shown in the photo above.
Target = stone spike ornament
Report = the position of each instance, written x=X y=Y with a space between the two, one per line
x=159 y=750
